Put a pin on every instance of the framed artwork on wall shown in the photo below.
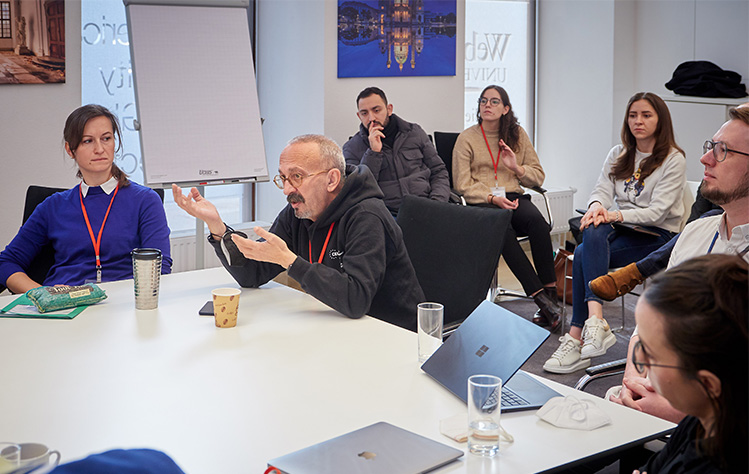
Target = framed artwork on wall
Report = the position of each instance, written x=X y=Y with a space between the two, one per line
x=32 y=41
x=394 y=38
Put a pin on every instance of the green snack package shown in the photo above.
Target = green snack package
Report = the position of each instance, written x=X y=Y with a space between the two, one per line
x=52 y=298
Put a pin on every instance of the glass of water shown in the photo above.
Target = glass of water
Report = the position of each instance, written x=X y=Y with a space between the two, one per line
x=484 y=407
x=429 y=321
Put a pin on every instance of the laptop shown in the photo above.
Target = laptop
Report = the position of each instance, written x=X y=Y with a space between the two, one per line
x=380 y=448
x=493 y=341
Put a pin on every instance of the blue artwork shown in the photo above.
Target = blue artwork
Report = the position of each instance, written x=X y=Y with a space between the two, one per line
x=393 y=38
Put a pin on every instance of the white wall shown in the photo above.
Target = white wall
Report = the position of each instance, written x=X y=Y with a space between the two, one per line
x=31 y=123
x=575 y=83
x=593 y=55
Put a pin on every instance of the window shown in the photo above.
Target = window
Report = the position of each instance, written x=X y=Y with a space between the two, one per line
x=107 y=79
x=5 y=20
x=499 y=50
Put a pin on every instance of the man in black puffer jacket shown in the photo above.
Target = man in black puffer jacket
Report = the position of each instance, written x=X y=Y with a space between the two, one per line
x=399 y=153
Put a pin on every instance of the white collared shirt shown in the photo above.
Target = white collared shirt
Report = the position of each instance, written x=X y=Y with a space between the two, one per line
x=107 y=187
x=698 y=235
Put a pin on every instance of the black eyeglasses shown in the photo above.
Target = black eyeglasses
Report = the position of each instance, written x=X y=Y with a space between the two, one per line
x=640 y=366
x=295 y=179
x=494 y=102
x=720 y=150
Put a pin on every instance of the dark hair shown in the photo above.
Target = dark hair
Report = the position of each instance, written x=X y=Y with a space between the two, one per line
x=704 y=304
x=73 y=133
x=371 y=91
x=624 y=167
x=509 y=128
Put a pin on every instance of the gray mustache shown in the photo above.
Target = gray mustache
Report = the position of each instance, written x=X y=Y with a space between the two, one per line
x=294 y=197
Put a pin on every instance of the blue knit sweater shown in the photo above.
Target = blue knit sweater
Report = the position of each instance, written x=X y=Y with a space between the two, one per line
x=137 y=219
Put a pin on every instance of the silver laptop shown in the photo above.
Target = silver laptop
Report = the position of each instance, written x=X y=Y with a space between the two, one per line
x=380 y=448
x=493 y=341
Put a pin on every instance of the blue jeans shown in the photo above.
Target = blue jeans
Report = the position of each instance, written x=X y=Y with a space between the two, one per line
x=605 y=247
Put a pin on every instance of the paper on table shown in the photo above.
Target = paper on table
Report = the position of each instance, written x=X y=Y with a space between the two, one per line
x=22 y=307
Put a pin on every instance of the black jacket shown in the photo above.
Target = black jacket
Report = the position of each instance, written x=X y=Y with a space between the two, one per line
x=680 y=455
x=411 y=166
x=365 y=269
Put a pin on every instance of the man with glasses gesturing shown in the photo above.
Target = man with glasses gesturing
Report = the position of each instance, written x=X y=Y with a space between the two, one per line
x=335 y=237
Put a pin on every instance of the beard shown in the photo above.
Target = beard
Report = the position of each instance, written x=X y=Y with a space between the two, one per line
x=720 y=197
x=298 y=198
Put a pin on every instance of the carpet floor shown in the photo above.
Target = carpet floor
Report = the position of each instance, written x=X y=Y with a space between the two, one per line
x=612 y=312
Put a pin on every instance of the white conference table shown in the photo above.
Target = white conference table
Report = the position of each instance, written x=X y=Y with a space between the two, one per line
x=291 y=374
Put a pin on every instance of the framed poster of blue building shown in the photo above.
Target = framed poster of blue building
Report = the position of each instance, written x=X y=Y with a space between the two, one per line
x=393 y=38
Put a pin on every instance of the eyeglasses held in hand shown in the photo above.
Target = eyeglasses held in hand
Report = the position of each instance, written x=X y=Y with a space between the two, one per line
x=720 y=150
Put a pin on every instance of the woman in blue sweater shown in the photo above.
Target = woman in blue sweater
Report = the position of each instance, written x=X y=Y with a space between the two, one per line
x=94 y=226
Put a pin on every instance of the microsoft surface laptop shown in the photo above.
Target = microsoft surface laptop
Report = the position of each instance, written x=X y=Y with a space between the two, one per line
x=493 y=341
x=380 y=448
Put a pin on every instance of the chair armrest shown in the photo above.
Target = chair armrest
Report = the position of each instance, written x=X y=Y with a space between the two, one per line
x=600 y=371
x=542 y=192
x=538 y=189
x=456 y=198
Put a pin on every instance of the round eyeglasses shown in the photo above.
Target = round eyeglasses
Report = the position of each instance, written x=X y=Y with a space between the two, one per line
x=493 y=102
x=295 y=179
x=639 y=360
x=720 y=150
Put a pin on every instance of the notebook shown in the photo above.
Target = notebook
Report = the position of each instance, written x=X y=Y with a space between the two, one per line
x=493 y=341
x=380 y=448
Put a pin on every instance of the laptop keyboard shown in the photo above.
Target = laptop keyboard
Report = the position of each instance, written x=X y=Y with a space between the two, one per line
x=512 y=399
x=509 y=399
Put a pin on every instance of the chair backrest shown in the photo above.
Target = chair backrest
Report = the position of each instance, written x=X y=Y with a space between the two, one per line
x=688 y=197
x=444 y=142
x=43 y=261
x=454 y=250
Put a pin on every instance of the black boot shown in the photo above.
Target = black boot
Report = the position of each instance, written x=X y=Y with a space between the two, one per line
x=549 y=310
x=537 y=318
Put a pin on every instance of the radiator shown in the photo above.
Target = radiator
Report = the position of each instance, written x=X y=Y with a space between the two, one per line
x=183 y=249
x=561 y=202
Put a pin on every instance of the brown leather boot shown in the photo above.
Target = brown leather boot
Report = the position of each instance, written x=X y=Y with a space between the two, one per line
x=618 y=283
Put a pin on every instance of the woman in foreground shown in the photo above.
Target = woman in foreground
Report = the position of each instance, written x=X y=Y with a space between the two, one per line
x=692 y=324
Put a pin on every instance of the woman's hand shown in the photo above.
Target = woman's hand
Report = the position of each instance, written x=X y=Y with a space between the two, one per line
x=595 y=215
x=503 y=202
x=509 y=160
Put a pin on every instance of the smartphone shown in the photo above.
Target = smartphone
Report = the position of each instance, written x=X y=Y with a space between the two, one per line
x=207 y=309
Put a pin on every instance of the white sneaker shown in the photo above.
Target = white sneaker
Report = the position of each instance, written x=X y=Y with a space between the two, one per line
x=597 y=338
x=567 y=358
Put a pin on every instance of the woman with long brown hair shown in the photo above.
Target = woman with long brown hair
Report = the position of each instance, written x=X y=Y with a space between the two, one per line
x=491 y=162
x=642 y=183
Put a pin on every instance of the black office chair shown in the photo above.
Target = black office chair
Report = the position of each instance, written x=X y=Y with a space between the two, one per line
x=454 y=250
x=41 y=264
x=445 y=142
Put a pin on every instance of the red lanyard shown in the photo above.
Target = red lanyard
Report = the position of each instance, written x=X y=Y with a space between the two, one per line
x=325 y=245
x=495 y=163
x=97 y=241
